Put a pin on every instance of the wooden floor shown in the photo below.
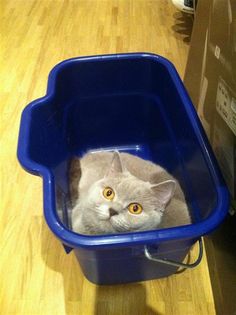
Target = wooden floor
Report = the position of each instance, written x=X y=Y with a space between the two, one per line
x=36 y=276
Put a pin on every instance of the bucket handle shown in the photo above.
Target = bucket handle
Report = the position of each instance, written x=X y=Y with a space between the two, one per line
x=176 y=263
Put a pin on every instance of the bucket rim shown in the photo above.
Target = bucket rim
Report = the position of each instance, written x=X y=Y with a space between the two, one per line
x=75 y=240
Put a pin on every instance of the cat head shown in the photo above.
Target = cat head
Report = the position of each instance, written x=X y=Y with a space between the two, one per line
x=125 y=202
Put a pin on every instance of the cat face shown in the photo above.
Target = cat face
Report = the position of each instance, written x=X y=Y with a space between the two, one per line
x=120 y=202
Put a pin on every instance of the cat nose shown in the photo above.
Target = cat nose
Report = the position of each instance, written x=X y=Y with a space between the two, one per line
x=112 y=212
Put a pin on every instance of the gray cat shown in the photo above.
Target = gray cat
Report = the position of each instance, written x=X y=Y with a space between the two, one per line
x=119 y=193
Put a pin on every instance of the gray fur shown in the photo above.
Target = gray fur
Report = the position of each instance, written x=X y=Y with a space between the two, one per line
x=133 y=180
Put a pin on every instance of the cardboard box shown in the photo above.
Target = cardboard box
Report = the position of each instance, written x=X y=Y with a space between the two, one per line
x=210 y=78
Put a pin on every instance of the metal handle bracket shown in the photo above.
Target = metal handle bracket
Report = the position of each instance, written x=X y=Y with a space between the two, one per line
x=176 y=263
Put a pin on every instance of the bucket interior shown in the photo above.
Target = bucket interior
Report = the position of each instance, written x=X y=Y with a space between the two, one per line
x=137 y=124
x=132 y=106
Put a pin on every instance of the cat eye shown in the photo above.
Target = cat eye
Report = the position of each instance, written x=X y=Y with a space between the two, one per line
x=108 y=193
x=135 y=208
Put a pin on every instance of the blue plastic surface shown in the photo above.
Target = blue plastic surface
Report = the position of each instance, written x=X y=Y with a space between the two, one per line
x=134 y=103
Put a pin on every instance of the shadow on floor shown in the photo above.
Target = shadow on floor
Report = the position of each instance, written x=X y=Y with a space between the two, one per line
x=116 y=300
x=183 y=26
x=124 y=299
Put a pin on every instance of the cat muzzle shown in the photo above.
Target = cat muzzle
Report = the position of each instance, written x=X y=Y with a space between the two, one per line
x=112 y=212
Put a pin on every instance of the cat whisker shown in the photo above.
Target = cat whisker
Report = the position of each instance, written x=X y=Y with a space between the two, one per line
x=120 y=225
x=101 y=214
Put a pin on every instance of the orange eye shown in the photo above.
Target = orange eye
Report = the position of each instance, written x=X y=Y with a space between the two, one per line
x=108 y=193
x=135 y=208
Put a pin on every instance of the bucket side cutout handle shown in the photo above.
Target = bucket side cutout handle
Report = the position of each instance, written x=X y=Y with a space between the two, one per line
x=176 y=263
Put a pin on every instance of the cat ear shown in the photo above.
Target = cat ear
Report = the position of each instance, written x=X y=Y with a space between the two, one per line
x=116 y=165
x=164 y=191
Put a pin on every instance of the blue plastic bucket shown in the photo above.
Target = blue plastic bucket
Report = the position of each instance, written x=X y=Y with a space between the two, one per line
x=134 y=103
